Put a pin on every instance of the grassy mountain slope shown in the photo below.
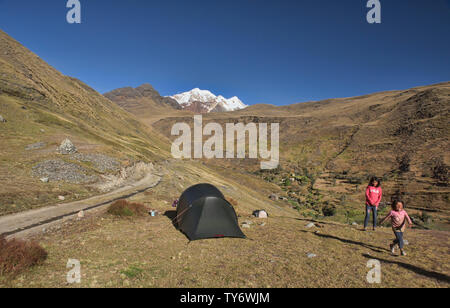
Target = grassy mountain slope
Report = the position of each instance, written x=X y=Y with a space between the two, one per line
x=40 y=104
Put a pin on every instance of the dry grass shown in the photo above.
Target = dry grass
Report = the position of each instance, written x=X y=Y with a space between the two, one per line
x=233 y=202
x=17 y=256
x=150 y=252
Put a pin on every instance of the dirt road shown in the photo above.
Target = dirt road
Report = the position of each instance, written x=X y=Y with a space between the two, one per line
x=30 y=222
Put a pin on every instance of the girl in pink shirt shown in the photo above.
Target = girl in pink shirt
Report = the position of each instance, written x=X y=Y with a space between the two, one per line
x=374 y=194
x=398 y=217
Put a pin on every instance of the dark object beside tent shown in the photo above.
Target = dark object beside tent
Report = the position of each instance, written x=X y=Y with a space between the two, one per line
x=203 y=212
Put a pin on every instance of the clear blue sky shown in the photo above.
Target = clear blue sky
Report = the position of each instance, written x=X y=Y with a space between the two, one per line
x=264 y=51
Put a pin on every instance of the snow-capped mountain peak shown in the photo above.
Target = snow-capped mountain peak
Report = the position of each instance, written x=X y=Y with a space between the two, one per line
x=198 y=100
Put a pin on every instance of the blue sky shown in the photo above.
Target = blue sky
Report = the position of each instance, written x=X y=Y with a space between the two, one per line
x=278 y=52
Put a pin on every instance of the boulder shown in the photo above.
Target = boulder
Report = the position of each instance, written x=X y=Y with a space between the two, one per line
x=260 y=214
x=67 y=147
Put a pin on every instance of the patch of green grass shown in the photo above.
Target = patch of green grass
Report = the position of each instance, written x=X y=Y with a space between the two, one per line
x=132 y=272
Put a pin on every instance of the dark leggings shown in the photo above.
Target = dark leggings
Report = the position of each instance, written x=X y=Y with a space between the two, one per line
x=399 y=239
x=374 y=210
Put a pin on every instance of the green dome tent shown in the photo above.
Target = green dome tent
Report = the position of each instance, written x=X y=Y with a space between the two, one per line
x=203 y=213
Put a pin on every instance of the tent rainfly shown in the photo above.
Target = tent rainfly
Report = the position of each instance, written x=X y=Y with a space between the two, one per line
x=203 y=213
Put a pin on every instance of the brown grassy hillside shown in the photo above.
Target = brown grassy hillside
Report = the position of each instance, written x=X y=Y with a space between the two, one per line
x=41 y=105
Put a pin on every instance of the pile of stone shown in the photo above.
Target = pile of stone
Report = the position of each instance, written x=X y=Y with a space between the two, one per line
x=100 y=162
x=59 y=170
x=67 y=147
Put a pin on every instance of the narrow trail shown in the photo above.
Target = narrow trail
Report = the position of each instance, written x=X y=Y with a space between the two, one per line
x=31 y=222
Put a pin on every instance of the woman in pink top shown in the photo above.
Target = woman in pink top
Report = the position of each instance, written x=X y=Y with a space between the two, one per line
x=373 y=199
x=398 y=217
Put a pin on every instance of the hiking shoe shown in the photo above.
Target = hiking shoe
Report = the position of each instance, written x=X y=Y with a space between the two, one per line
x=404 y=253
x=392 y=246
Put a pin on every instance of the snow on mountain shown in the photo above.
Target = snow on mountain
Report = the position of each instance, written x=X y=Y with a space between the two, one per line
x=204 y=101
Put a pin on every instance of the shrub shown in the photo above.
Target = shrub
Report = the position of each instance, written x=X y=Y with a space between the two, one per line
x=404 y=163
x=329 y=210
x=123 y=208
x=18 y=255
x=440 y=170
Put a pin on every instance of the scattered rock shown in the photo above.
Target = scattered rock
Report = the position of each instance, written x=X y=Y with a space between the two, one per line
x=80 y=214
x=273 y=197
x=310 y=225
x=2 y=120
x=100 y=162
x=42 y=130
x=59 y=170
x=263 y=224
x=260 y=214
x=35 y=146
x=246 y=225
x=354 y=224
x=67 y=147
x=406 y=242
x=61 y=198
x=311 y=255
x=44 y=180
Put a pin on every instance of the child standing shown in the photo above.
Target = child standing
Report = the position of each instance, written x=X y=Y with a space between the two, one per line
x=398 y=217
x=374 y=194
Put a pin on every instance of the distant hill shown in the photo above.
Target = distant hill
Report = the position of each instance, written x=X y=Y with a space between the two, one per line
x=142 y=97
x=144 y=102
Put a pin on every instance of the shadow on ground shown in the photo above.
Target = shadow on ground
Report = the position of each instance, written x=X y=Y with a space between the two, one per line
x=415 y=269
x=347 y=241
